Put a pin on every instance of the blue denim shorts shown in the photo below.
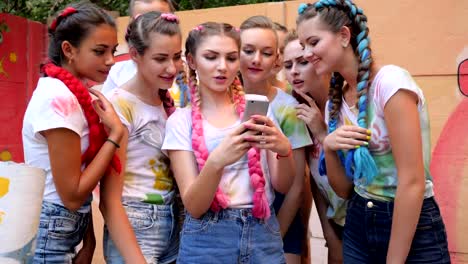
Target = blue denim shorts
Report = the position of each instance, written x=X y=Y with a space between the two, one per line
x=231 y=236
x=292 y=240
x=155 y=228
x=60 y=231
x=367 y=233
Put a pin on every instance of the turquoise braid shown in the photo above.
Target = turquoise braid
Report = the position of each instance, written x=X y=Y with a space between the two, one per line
x=359 y=163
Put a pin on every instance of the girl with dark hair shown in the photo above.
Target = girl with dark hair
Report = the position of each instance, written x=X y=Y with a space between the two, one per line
x=224 y=168
x=377 y=150
x=259 y=53
x=67 y=134
x=138 y=204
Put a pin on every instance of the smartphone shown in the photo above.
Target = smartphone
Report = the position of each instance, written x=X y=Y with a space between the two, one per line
x=255 y=104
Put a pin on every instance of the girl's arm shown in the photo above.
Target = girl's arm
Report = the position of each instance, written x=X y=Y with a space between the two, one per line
x=293 y=200
x=343 y=138
x=198 y=189
x=115 y=217
x=74 y=186
x=402 y=120
x=280 y=158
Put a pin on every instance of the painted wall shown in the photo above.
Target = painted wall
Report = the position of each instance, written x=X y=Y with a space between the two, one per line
x=22 y=47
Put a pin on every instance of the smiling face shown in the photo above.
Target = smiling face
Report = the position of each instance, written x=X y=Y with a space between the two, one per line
x=94 y=56
x=299 y=72
x=216 y=62
x=259 y=51
x=322 y=47
x=160 y=62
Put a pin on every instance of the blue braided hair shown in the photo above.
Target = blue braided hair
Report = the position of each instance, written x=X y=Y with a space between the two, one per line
x=358 y=163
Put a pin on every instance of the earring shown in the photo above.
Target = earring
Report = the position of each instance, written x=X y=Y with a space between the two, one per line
x=344 y=45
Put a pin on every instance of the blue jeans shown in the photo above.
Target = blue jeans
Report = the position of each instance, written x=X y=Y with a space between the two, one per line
x=367 y=233
x=60 y=231
x=231 y=236
x=155 y=228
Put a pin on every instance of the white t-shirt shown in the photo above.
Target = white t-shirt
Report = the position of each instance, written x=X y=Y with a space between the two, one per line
x=52 y=105
x=119 y=74
x=235 y=182
x=147 y=173
x=283 y=113
x=387 y=82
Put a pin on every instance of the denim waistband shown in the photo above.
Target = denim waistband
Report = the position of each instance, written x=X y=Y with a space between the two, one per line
x=49 y=208
x=233 y=214
x=160 y=209
x=373 y=205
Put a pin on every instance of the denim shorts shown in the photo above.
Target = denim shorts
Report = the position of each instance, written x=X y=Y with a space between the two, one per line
x=155 y=228
x=292 y=240
x=367 y=233
x=231 y=236
x=60 y=231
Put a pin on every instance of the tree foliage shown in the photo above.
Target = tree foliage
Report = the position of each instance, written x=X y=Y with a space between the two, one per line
x=40 y=10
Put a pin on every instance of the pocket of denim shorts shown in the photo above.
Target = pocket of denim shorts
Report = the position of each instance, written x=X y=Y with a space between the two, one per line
x=194 y=225
x=272 y=225
x=139 y=220
x=63 y=227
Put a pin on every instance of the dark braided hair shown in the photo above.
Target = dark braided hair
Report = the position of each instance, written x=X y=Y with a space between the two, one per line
x=336 y=14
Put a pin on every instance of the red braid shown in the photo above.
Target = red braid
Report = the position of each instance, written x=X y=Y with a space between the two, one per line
x=97 y=134
x=167 y=100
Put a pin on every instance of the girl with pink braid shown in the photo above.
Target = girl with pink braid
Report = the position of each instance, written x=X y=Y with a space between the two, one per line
x=222 y=166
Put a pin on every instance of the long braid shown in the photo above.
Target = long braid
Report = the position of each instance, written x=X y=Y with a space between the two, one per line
x=220 y=200
x=359 y=162
x=167 y=100
x=97 y=134
x=261 y=208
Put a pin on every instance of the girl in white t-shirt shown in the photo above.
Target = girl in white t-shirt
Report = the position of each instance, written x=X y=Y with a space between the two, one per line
x=224 y=168
x=377 y=150
x=138 y=205
x=258 y=57
x=64 y=135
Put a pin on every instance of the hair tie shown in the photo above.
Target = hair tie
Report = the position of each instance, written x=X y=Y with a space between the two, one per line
x=66 y=12
x=237 y=29
x=136 y=16
x=198 y=28
x=170 y=17
x=302 y=7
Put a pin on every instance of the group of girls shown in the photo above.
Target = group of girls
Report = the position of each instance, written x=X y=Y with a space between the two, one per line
x=359 y=130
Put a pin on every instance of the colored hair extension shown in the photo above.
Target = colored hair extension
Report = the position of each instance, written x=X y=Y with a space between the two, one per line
x=97 y=134
x=220 y=201
x=336 y=14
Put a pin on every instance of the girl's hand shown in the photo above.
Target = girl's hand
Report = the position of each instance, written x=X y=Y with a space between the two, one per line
x=311 y=115
x=266 y=136
x=346 y=137
x=231 y=148
x=106 y=113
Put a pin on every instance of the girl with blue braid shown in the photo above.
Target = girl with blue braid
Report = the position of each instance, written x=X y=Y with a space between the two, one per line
x=377 y=150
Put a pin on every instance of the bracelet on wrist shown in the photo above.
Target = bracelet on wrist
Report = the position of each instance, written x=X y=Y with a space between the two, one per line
x=278 y=156
x=113 y=142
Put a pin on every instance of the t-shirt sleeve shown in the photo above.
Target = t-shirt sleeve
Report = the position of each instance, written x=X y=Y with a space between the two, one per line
x=391 y=81
x=57 y=109
x=179 y=131
x=293 y=128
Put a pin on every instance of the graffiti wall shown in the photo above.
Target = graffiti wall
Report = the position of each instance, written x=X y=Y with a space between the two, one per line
x=22 y=46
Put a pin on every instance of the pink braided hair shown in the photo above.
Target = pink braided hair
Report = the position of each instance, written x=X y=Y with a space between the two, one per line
x=261 y=208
